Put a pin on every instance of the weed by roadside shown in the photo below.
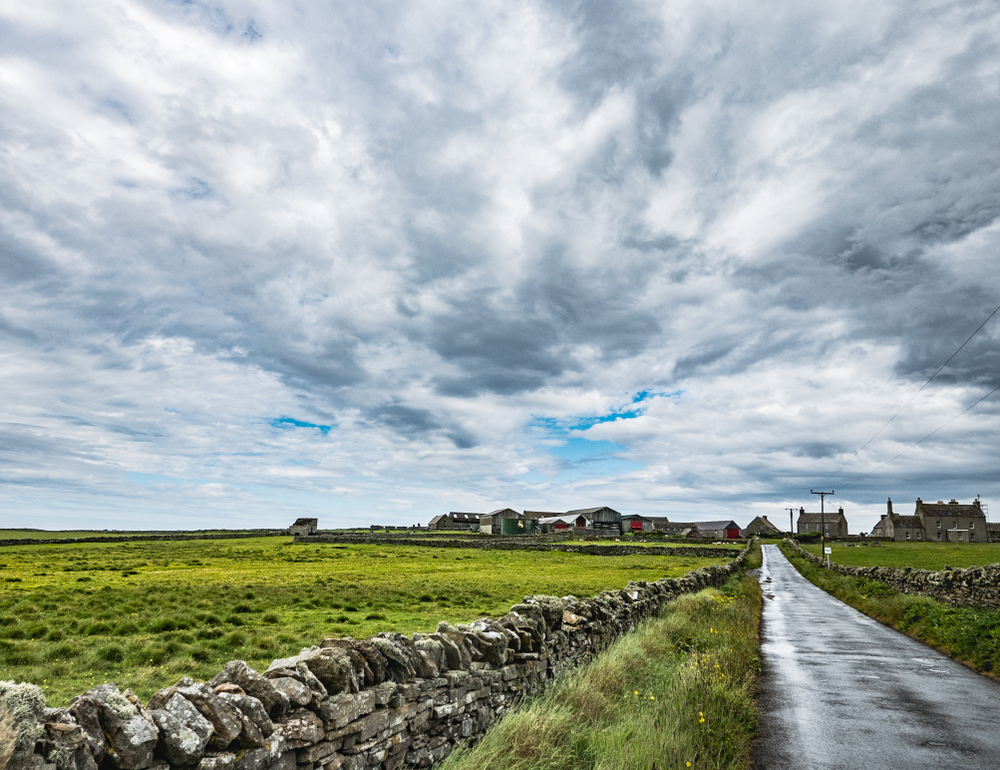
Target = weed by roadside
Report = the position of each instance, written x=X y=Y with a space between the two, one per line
x=677 y=693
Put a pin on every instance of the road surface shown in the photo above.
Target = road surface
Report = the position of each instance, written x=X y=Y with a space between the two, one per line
x=840 y=690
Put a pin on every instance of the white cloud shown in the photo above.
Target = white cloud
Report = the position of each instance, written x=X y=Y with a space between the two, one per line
x=451 y=234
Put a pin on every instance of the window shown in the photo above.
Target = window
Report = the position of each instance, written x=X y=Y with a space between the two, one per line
x=907 y=534
x=939 y=535
x=972 y=537
x=939 y=525
x=961 y=536
x=918 y=535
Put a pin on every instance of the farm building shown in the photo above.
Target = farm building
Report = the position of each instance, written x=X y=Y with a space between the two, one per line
x=678 y=528
x=835 y=522
x=304 y=527
x=601 y=520
x=993 y=530
x=636 y=523
x=489 y=524
x=950 y=522
x=761 y=526
x=468 y=522
x=660 y=523
x=718 y=530
x=553 y=525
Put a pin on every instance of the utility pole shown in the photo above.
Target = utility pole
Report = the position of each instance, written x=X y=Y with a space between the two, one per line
x=822 y=519
x=791 y=526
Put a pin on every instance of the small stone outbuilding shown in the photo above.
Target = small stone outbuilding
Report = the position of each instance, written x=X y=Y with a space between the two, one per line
x=304 y=527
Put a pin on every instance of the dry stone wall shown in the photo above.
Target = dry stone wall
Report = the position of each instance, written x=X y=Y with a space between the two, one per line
x=346 y=704
x=523 y=543
x=978 y=586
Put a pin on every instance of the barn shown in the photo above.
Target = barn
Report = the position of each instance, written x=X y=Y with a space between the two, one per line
x=718 y=530
x=604 y=520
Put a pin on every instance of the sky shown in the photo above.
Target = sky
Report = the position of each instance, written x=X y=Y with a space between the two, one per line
x=372 y=262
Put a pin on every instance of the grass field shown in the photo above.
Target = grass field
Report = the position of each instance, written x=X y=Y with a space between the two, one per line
x=932 y=556
x=677 y=693
x=141 y=614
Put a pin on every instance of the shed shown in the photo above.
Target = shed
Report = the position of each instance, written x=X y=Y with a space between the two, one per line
x=555 y=524
x=304 y=527
x=633 y=522
x=602 y=520
x=490 y=524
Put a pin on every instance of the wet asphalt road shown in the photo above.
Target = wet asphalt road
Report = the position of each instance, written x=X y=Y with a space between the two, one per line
x=840 y=690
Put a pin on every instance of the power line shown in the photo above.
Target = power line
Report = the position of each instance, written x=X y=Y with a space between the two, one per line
x=913 y=397
x=855 y=481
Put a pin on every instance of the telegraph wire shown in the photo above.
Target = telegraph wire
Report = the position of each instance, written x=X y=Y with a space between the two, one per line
x=855 y=481
x=997 y=309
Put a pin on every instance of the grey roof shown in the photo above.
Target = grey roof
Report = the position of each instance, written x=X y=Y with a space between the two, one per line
x=635 y=516
x=721 y=524
x=943 y=510
x=586 y=511
x=468 y=517
x=907 y=521
x=304 y=522
x=815 y=518
x=503 y=510
x=556 y=519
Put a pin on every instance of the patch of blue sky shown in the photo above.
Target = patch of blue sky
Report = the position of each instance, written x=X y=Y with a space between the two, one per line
x=286 y=423
x=582 y=458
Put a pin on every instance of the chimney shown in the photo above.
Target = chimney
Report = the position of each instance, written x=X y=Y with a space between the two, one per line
x=765 y=518
x=977 y=504
x=888 y=506
x=953 y=501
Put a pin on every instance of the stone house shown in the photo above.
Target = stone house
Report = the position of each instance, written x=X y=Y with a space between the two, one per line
x=761 y=526
x=836 y=522
x=304 y=527
x=941 y=522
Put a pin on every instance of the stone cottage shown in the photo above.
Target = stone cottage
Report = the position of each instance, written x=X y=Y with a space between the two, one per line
x=942 y=522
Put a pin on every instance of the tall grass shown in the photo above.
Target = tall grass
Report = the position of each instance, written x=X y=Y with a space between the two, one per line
x=971 y=635
x=677 y=693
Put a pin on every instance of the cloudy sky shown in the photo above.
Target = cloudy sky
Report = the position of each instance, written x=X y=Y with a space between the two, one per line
x=376 y=261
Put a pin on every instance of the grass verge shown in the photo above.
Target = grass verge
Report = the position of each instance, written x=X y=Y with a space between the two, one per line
x=677 y=693
x=970 y=635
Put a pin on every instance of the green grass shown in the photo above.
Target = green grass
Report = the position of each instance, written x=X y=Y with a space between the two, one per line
x=141 y=614
x=971 y=635
x=677 y=693
x=932 y=556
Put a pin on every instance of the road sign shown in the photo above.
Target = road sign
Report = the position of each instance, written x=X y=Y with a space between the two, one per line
x=828 y=549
